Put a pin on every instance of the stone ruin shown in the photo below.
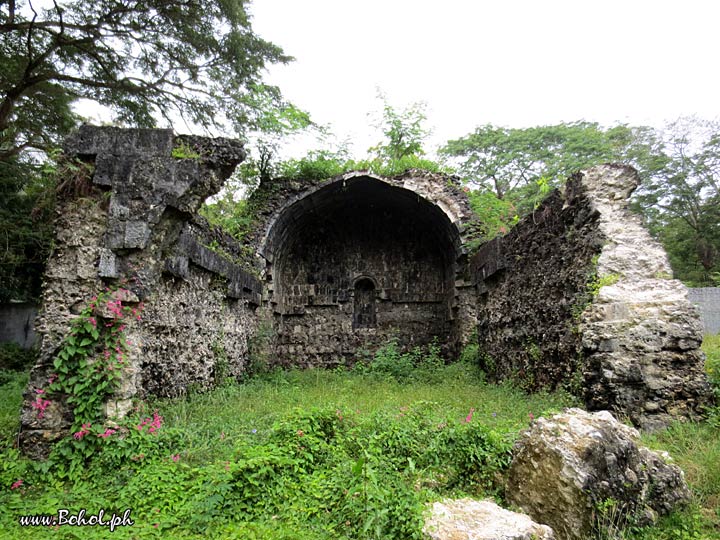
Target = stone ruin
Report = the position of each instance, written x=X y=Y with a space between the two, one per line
x=576 y=295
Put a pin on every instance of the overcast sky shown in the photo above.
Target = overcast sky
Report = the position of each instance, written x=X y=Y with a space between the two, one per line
x=515 y=63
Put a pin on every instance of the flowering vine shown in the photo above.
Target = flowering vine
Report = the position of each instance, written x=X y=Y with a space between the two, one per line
x=88 y=366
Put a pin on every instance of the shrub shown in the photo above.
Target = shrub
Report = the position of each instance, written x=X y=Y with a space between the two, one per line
x=711 y=348
x=14 y=358
x=417 y=364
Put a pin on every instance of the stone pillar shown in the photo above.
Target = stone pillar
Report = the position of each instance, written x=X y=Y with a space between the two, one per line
x=641 y=335
x=129 y=218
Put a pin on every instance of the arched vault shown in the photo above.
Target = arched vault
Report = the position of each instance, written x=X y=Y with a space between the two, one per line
x=404 y=235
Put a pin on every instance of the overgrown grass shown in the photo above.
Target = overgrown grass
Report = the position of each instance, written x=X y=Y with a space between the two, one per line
x=318 y=455
x=298 y=454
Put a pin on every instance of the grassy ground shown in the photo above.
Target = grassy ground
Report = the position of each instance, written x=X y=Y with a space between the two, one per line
x=317 y=454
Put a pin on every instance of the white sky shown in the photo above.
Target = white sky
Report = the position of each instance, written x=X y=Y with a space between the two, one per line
x=514 y=63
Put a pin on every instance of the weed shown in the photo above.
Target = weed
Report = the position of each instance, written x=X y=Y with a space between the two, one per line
x=310 y=455
x=184 y=151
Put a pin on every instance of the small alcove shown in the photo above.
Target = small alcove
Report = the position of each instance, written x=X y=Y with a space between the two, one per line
x=364 y=304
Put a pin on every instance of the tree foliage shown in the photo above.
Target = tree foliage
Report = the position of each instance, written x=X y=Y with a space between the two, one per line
x=26 y=214
x=148 y=62
x=679 y=166
x=404 y=132
x=196 y=59
x=681 y=199
x=506 y=159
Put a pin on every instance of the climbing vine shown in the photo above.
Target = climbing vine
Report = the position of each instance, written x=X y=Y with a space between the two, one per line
x=87 y=372
x=89 y=364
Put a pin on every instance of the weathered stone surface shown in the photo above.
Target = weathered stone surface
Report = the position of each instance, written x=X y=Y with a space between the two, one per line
x=565 y=468
x=92 y=141
x=532 y=285
x=579 y=294
x=198 y=303
x=468 y=519
x=347 y=263
x=641 y=335
x=399 y=241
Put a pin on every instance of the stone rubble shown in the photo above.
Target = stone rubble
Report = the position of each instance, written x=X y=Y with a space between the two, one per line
x=468 y=519
x=569 y=467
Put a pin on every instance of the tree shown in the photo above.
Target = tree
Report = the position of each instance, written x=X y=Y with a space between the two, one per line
x=146 y=61
x=403 y=130
x=507 y=159
x=681 y=200
x=26 y=214
x=198 y=59
x=679 y=168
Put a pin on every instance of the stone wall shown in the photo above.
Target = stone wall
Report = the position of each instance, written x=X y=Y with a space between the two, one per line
x=136 y=225
x=578 y=294
x=532 y=290
x=17 y=324
x=359 y=259
x=707 y=299
x=641 y=335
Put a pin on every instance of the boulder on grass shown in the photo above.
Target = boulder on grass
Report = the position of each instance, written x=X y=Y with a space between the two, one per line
x=467 y=519
x=577 y=471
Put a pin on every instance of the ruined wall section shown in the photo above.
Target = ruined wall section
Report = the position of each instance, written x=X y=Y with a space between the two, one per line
x=135 y=226
x=365 y=235
x=641 y=335
x=579 y=294
x=532 y=287
x=408 y=234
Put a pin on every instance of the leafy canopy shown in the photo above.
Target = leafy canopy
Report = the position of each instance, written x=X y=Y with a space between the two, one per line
x=513 y=168
x=192 y=60
x=681 y=199
x=505 y=159
x=196 y=59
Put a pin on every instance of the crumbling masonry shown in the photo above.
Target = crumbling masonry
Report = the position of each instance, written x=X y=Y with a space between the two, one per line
x=577 y=294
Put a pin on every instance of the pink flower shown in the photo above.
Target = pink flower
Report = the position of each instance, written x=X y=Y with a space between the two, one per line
x=17 y=484
x=52 y=378
x=40 y=404
x=84 y=431
x=468 y=418
x=39 y=391
x=93 y=321
x=531 y=416
x=175 y=457
x=155 y=423
x=107 y=433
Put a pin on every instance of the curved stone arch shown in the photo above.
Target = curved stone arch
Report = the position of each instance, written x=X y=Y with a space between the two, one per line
x=436 y=190
x=407 y=234
x=365 y=277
